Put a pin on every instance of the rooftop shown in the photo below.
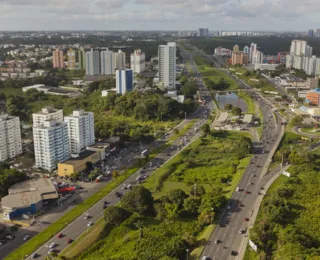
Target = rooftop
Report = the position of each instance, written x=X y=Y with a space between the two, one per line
x=82 y=156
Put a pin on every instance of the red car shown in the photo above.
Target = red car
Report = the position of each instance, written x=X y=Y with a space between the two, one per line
x=247 y=192
x=69 y=241
x=246 y=219
x=59 y=235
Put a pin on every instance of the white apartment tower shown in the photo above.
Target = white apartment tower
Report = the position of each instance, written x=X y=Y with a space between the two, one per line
x=252 y=50
x=80 y=130
x=107 y=59
x=298 y=48
x=10 y=137
x=47 y=114
x=167 y=65
x=51 y=144
x=120 y=59
x=137 y=61
x=92 y=63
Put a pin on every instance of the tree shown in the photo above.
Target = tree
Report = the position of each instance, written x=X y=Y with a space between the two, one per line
x=228 y=107
x=236 y=111
x=93 y=174
x=139 y=200
x=212 y=200
x=297 y=121
x=115 y=215
x=74 y=177
x=191 y=205
x=205 y=128
x=189 y=89
x=115 y=174
x=177 y=197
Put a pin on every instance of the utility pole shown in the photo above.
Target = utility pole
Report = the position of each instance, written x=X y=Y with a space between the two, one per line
x=195 y=189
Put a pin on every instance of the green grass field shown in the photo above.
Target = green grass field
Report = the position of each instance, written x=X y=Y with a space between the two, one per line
x=11 y=91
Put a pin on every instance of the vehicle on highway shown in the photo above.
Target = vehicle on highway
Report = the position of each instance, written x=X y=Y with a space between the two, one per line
x=242 y=231
x=118 y=194
x=247 y=192
x=35 y=255
x=26 y=237
x=205 y=258
x=10 y=237
x=217 y=241
x=50 y=251
x=229 y=207
x=246 y=219
x=144 y=153
x=104 y=206
x=237 y=189
x=52 y=245
x=69 y=241
x=89 y=224
x=234 y=252
x=59 y=235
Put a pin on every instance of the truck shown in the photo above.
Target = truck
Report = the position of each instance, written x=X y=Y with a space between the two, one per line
x=99 y=178
x=144 y=153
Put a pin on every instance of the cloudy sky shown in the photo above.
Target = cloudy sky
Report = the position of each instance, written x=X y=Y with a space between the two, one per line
x=159 y=14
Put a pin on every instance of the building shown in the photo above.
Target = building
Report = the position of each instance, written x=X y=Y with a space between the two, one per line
x=246 y=50
x=51 y=144
x=80 y=130
x=235 y=48
x=222 y=52
x=257 y=57
x=78 y=164
x=71 y=54
x=310 y=65
x=203 y=32
x=47 y=114
x=10 y=137
x=81 y=59
x=137 y=61
x=252 y=50
x=57 y=59
x=298 y=62
x=25 y=89
x=107 y=59
x=318 y=33
x=92 y=63
x=124 y=81
x=239 y=58
x=312 y=83
x=28 y=197
x=265 y=66
x=313 y=97
x=298 y=47
x=167 y=65
x=120 y=59
x=105 y=93
x=310 y=33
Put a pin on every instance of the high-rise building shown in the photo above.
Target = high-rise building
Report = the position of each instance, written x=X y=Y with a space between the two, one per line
x=298 y=47
x=57 y=59
x=289 y=61
x=235 y=48
x=246 y=50
x=10 y=137
x=80 y=130
x=167 y=65
x=47 y=114
x=308 y=51
x=51 y=144
x=107 y=59
x=318 y=33
x=81 y=58
x=310 y=33
x=311 y=69
x=71 y=54
x=239 y=58
x=298 y=62
x=92 y=63
x=252 y=50
x=137 y=61
x=257 y=57
x=124 y=81
x=120 y=59
x=203 y=32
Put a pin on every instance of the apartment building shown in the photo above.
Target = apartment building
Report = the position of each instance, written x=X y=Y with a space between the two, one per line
x=137 y=61
x=71 y=54
x=47 y=114
x=107 y=60
x=92 y=63
x=120 y=59
x=10 y=137
x=239 y=58
x=57 y=59
x=167 y=65
x=80 y=130
x=124 y=81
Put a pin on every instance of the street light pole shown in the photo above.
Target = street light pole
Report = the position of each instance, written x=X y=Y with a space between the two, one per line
x=187 y=250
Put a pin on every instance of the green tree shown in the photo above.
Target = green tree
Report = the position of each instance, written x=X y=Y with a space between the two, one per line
x=177 y=197
x=236 y=111
x=228 y=107
x=297 y=121
x=139 y=200
x=115 y=215
x=212 y=200
x=191 y=205
x=189 y=89
x=205 y=128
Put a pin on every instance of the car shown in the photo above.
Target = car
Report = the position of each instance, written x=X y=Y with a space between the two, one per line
x=234 y=252
x=10 y=237
x=69 y=241
x=86 y=217
x=217 y=241
x=118 y=194
x=104 y=206
x=89 y=224
x=237 y=189
x=105 y=202
x=247 y=192
x=229 y=207
x=52 y=245
x=205 y=258
x=241 y=231
x=26 y=237
x=246 y=219
x=50 y=251
x=34 y=255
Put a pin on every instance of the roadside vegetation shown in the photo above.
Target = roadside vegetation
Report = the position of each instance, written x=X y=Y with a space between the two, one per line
x=287 y=225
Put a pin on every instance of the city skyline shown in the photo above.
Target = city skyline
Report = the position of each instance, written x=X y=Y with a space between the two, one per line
x=158 y=15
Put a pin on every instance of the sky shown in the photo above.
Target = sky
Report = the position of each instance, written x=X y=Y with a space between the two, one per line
x=270 y=15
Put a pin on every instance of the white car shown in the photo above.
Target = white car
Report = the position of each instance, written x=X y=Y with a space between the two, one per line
x=237 y=189
x=50 y=251
x=89 y=224
x=26 y=237
x=52 y=245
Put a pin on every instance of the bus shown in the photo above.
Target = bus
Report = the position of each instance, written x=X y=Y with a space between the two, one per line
x=99 y=178
x=144 y=153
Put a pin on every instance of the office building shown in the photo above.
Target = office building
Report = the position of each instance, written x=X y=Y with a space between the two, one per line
x=71 y=54
x=47 y=113
x=81 y=59
x=203 y=32
x=137 y=61
x=246 y=50
x=124 y=81
x=312 y=83
x=167 y=65
x=107 y=59
x=120 y=59
x=313 y=97
x=239 y=58
x=92 y=63
x=80 y=130
x=310 y=33
x=10 y=137
x=57 y=59
x=51 y=144
x=235 y=48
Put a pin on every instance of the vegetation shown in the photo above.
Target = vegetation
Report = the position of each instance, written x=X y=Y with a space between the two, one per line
x=287 y=226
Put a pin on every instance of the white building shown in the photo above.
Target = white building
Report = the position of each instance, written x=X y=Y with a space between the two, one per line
x=92 y=63
x=257 y=57
x=265 y=66
x=222 y=52
x=167 y=65
x=298 y=48
x=51 y=144
x=80 y=130
x=311 y=68
x=289 y=61
x=120 y=60
x=47 y=114
x=107 y=59
x=137 y=61
x=252 y=50
x=10 y=137
x=25 y=89
x=298 y=62
x=124 y=81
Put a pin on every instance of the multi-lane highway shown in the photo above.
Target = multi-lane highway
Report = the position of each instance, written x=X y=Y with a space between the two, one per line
x=228 y=240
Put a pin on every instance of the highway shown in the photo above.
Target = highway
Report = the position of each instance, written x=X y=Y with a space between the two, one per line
x=228 y=240
x=80 y=225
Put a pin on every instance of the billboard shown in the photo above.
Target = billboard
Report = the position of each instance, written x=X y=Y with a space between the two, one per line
x=285 y=173
x=253 y=245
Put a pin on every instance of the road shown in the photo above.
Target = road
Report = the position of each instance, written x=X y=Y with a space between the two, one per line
x=80 y=225
x=228 y=238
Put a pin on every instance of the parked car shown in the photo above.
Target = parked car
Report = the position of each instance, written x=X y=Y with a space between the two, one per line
x=26 y=237
x=89 y=224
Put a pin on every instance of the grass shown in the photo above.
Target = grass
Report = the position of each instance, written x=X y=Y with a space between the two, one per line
x=250 y=103
x=11 y=91
x=202 y=241
x=310 y=130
